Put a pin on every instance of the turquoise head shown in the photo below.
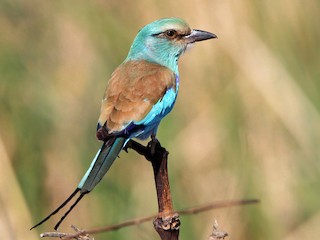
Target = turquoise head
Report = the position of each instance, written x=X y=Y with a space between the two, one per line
x=163 y=41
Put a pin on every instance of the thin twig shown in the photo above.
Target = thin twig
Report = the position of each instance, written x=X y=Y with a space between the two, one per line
x=137 y=221
x=54 y=234
x=216 y=205
x=217 y=233
x=81 y=235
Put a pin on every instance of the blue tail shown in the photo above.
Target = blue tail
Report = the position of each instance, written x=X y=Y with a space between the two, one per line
x=101 y=163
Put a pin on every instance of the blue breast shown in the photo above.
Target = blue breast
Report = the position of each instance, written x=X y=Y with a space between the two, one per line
x=150 y=123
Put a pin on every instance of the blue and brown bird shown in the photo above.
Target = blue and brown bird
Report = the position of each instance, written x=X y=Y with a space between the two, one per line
x=140 y=93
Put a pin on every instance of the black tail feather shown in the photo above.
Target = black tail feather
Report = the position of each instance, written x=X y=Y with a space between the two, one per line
x=58 y=209
x=70 y=209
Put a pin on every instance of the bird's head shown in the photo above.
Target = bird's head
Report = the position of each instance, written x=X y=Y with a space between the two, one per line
x=163 y=41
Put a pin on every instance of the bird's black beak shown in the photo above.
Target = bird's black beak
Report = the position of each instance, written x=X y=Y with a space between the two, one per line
x=199 y=35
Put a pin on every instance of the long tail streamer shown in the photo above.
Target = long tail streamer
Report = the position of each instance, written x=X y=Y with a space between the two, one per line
x=101 y=163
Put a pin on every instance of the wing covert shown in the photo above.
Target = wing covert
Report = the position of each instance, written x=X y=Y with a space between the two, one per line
x=134 y=88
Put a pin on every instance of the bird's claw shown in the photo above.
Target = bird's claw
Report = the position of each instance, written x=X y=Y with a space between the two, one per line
x=153 y=144
x=127 y=146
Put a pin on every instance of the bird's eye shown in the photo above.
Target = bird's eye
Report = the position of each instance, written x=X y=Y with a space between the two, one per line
x=171 y=33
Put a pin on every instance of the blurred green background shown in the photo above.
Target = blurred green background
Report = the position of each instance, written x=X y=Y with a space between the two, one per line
x=246 y=123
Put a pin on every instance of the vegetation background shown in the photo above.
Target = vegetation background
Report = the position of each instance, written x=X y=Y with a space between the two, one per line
x=246 y=123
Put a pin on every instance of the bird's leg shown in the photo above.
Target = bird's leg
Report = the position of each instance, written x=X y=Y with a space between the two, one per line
x=102 y=134
x=151 y=151
x=153 y=144
x=139 y=148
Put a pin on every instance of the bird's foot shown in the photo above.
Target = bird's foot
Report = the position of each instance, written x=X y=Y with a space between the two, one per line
x=153 y=145
x=102 y=134
x=127 y=146
x=151 y=151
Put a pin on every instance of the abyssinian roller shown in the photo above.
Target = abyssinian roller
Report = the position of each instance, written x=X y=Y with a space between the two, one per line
x=139 y=94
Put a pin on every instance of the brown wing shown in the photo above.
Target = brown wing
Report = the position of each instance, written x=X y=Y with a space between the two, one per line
x=133 y=89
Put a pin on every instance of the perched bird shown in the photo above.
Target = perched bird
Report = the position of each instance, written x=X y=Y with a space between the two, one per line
x=141 y=91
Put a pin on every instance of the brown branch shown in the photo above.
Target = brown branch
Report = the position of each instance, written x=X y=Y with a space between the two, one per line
x=167 y=221
x=215 y=205
x=217 y=233
x=81 y=235
x=137 y=221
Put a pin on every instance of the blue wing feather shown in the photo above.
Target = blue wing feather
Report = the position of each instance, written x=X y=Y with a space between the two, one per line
x=157 y=112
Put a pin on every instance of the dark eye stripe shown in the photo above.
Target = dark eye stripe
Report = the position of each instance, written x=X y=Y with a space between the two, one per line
x=171 y=33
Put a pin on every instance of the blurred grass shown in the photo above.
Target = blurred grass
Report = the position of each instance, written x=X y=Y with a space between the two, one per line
x=246 y=123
